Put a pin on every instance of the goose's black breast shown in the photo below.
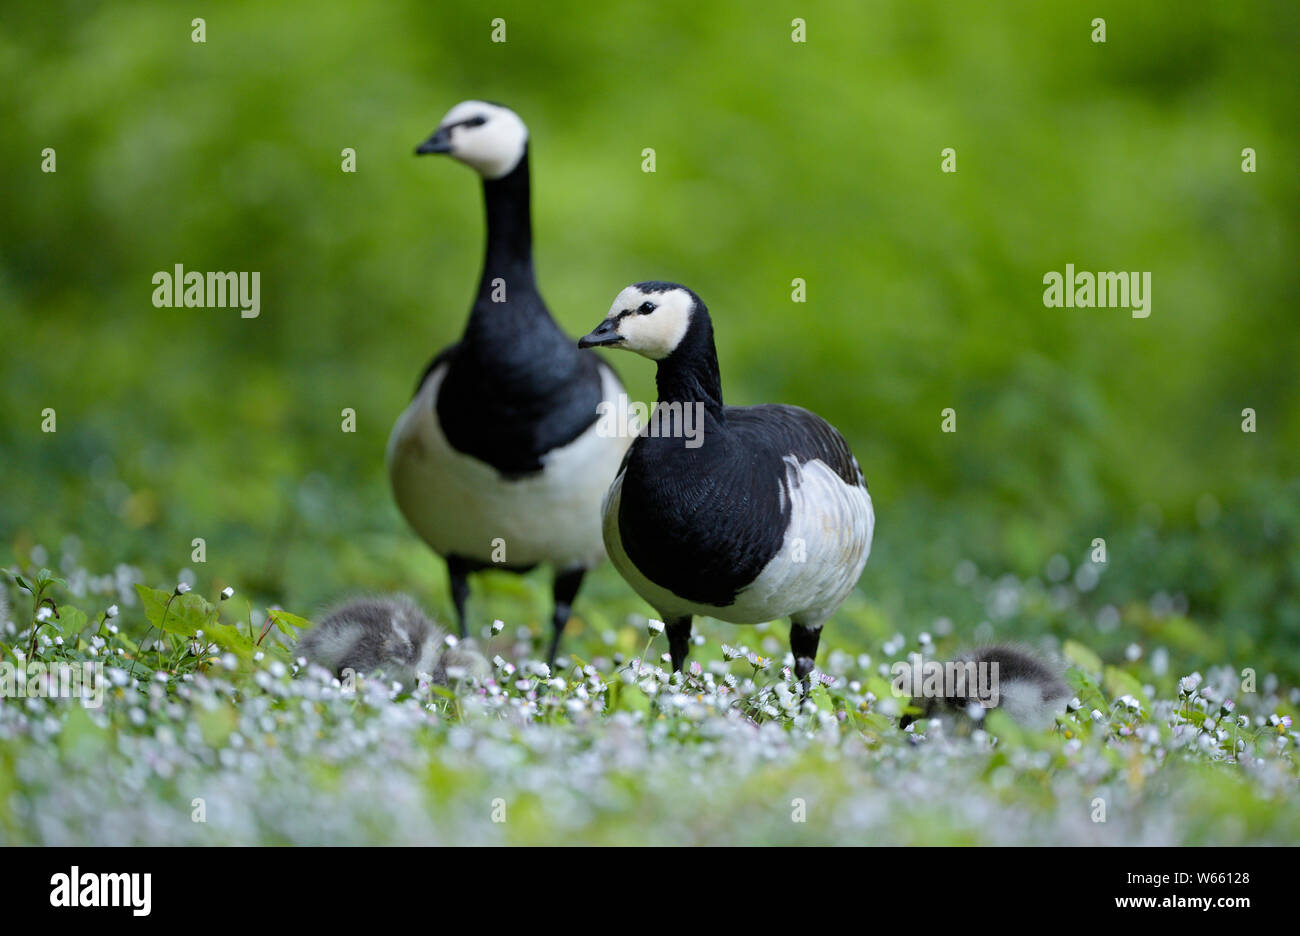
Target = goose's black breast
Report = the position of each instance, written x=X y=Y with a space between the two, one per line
x=510 y=410
x=703 y=523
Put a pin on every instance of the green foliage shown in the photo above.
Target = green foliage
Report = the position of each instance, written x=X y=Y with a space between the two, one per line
x=180 y=614
x=775 y=160
x=1080 y=655
x=619 y=753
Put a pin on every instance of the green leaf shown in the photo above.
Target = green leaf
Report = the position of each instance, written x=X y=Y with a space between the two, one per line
x=872 y=722
x=1004 y=727
x=45 y=578
x=186 y=615
x=1082 y=657
x=230 y=638
x=288 y=623
x=822 y=698
x=72 y=621
x=627 y=697
x=1119 y=683
x=882 y=688
x=21 y=582
x=1089 y=692
x=142 y=664
x=128 y=644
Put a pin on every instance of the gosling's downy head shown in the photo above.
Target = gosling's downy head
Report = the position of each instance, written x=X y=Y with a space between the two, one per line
x=488 y=138
x=648 y=318
x=1029 y=688
x=390 y=634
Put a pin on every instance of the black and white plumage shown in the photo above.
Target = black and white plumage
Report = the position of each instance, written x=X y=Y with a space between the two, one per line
x=500 y=449
x=1029 y=688
x=768 y=516
x=391 y=635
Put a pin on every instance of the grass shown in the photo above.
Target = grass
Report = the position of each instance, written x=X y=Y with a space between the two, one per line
x=1080 y=431
x=211 y=734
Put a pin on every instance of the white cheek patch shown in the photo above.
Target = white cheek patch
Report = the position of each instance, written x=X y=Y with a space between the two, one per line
x=654 y=335
x=657 y=334
x=493 y=148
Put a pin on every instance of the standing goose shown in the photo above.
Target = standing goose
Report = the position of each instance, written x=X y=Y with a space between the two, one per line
x=758 y=513
x=497 y=461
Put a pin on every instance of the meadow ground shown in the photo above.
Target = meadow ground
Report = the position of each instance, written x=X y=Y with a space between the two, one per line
x=1121 y=492
x=216 y=736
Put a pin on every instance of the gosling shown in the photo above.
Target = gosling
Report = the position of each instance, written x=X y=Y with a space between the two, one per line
x=389 y=634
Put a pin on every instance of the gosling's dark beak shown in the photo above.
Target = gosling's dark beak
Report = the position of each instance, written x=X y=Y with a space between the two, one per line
x=606 y=333
x=440 y=142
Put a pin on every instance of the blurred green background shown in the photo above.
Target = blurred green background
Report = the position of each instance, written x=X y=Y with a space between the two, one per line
x=775 y=160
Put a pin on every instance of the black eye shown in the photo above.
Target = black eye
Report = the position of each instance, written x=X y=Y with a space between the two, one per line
x=646 y=308
x=478 y=121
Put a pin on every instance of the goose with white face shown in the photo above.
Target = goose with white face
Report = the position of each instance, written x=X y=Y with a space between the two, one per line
x=650 y=321
x=488 y=138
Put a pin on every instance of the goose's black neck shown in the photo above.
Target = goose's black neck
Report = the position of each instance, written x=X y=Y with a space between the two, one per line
x=509 y=233
x=690 y=374
x=515 y=387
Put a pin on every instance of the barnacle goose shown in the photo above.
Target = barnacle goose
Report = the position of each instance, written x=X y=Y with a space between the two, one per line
x=389 y=634
x=500 y=449
x=762 y=515
x=1030 y=689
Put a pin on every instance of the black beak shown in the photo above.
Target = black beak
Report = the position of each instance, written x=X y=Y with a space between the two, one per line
x=606 y=333
x=440 y=142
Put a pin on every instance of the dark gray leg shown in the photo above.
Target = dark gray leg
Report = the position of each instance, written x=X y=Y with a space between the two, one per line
x=458 y=571
x=565 y=590
x=803 y=643
x=679 y=640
